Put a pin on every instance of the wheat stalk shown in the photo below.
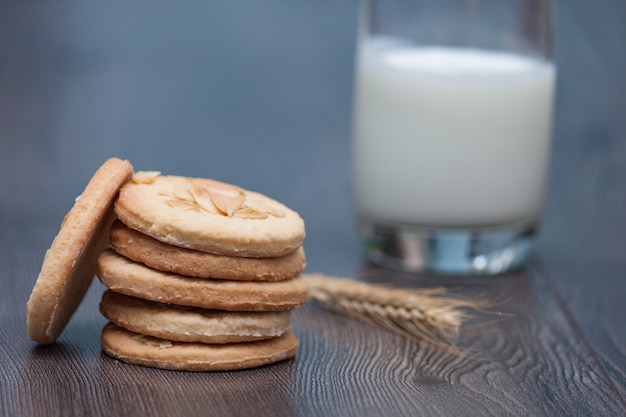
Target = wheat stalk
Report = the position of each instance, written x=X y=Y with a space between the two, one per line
x=423 y=315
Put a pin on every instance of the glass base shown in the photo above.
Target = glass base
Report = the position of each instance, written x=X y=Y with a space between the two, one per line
x=447 y=251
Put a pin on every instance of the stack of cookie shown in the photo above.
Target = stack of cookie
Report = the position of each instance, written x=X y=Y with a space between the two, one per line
x=202 y=275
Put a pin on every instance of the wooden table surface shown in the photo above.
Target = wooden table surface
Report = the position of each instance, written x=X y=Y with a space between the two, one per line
x=259 y=94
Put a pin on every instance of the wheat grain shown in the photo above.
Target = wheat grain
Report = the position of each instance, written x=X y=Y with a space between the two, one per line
x=426 y=315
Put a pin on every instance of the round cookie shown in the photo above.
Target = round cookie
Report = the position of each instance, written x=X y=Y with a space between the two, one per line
x=144 y=350
x=69 y=264
x=130 y=278
x=165 y=257
x=210 y=216
x=190 y=324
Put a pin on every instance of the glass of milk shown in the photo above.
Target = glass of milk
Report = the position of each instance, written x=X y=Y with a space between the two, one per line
x=452 y=125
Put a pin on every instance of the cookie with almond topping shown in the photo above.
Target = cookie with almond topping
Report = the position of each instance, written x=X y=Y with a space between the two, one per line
x=169 y=258
x=210 y=216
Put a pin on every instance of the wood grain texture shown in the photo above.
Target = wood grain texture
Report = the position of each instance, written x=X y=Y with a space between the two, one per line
x=529 y=362
x=583 y=245
x=165 y=91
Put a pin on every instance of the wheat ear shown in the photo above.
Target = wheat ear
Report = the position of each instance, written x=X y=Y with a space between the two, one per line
x=424 y=315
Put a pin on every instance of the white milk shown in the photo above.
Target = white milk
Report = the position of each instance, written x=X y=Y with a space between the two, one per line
x=450 y=137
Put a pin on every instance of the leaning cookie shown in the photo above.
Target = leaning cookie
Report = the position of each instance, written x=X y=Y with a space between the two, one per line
x=148 y=351
x=210 y=216
x=165 y=257
x=131 y=278
x=190 y=324
x=68 y=266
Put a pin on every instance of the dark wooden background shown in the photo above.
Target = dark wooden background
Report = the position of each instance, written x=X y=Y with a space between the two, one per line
x=258 y=93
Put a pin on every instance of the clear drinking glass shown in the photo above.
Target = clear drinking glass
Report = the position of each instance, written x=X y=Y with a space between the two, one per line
x=452 y=124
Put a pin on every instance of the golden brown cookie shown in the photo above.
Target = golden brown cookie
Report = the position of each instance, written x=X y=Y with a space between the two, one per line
x=69 y=265
x=192 y=324
x=131 y=278
x=165 y=257
x=210 y=216
x=149 y=351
